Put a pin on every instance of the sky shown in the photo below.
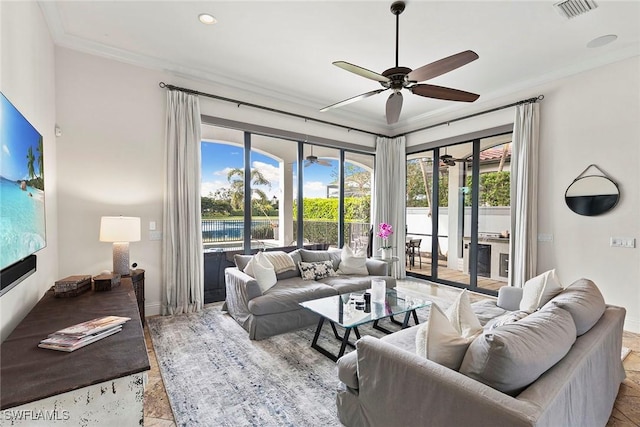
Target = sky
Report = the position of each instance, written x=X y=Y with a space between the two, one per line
x=218 y=159
x=16 y=135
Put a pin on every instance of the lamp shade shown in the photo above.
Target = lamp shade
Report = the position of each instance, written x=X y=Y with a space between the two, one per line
x=119 y=229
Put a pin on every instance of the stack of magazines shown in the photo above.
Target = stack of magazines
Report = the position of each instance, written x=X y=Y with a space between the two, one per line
x=77 y=336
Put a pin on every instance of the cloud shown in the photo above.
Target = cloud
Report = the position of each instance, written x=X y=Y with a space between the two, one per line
x=223 y=172
x=270 y=172
x=5 y=149
x=210 y=187
x=314 y=189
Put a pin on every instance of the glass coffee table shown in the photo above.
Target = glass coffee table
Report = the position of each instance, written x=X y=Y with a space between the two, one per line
x=345 y=311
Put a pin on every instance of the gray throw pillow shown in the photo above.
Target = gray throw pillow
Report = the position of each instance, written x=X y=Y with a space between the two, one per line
x=317 y=256
x=511 y=357
x=584 y=301
x=242 y=261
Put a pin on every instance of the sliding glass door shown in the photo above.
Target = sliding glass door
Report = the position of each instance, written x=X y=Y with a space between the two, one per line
x=458 y=222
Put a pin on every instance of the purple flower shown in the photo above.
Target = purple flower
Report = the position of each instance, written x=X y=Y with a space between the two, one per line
x=384 y=231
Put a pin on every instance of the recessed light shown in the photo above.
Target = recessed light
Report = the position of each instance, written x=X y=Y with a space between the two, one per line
x=208 y=19
x=602 y=41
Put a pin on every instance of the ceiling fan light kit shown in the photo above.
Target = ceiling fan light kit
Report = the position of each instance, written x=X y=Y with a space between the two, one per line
x=398 y=78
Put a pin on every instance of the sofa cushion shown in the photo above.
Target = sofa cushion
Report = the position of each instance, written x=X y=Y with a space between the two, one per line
x=286 y=295
x=350 y=263
x=332 y=255
x=584 y=301
x=346 y=284
x=505 y=319
x=538 y=290
x=439 y=341
x=404 y=338
x=512 y=356
x=241 y=262
x=260 y=268
x=316 y=270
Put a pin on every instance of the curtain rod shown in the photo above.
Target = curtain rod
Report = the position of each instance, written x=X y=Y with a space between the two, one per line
x=349 y=128
x=261 y=107
x=524 y=101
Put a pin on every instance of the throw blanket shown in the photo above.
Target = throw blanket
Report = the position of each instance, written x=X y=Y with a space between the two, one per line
x=281 y=261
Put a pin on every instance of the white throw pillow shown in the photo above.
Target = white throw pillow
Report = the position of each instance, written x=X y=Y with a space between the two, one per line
x=539 y=290
x=439 y=341
x=351 y=263
x=462 y=316
x=262 y=270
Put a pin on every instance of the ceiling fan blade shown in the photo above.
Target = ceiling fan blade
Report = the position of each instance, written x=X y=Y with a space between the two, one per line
x=442 y=66
x=353 y=99
x=394 y=106
x=439 y=92
x=323 y=162
x=361 y=71
x=307 y=163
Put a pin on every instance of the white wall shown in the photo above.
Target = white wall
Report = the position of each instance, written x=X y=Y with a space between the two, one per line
x=111 y=162
x=592 y=117
x=27 y=80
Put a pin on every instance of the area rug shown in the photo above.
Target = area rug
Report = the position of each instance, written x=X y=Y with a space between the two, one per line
x=215 y=375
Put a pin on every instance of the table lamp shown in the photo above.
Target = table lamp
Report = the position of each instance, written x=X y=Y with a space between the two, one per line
x=120 y=230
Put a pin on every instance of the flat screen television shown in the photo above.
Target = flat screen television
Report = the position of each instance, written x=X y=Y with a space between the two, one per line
x=22 y=205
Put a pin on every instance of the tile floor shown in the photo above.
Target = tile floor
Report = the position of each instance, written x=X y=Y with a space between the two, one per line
x=626 y=411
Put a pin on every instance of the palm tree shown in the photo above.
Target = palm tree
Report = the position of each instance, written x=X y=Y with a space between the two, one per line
x=40 y=151
x=236 y=178
x=30 y=159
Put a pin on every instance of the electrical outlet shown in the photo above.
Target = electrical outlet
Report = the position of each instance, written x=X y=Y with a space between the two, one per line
x=622 y=242
x=152 y=225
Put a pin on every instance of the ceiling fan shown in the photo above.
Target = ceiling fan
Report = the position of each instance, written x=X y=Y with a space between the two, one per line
x=398 y=78
x=311 y=159
x=448 y=159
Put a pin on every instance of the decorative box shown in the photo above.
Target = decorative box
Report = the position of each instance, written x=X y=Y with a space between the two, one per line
x=72 y=286
x=106 y=282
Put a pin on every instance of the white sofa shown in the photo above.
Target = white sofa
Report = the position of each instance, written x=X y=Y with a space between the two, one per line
x=384 y=382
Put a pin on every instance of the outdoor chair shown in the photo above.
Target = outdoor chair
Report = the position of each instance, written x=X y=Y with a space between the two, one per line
x=413 y=250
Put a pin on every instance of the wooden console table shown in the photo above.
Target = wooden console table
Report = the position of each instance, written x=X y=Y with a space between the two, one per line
x=100 y=384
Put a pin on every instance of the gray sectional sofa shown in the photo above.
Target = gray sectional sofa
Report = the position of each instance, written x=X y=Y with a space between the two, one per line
x=579 y=390
x=277 y=310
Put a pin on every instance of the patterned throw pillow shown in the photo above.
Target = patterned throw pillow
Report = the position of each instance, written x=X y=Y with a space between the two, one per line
x=316 y=270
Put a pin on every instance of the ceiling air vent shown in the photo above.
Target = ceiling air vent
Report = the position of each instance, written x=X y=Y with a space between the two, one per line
x=572 y=8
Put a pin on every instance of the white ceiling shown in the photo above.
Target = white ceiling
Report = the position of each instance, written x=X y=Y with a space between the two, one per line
x=282 y=51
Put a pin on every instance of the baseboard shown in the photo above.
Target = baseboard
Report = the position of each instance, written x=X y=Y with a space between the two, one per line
x=152 y=309
x=632 y=324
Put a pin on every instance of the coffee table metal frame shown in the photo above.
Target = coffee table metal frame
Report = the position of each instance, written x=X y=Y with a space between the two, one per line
x=399 y=306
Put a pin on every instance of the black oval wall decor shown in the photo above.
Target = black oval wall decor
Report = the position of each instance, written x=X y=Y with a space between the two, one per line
x=592 y=195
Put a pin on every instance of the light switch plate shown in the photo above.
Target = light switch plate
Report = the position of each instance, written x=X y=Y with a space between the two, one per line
x=622 y=242
x=544 y=237
x=155 y=235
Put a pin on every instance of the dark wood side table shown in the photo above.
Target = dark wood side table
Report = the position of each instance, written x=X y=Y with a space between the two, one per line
x=137 y=280
x=87 y=383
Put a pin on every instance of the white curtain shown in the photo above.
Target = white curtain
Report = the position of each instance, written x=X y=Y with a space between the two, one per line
x=390 y=196
x=182 y=244
x=524 y=195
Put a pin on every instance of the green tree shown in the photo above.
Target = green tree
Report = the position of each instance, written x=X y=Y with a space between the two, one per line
x=40 y=150
x=236 y=178
x=495 y=189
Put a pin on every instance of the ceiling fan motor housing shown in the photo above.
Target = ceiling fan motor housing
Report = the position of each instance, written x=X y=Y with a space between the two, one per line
x=397 y=78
